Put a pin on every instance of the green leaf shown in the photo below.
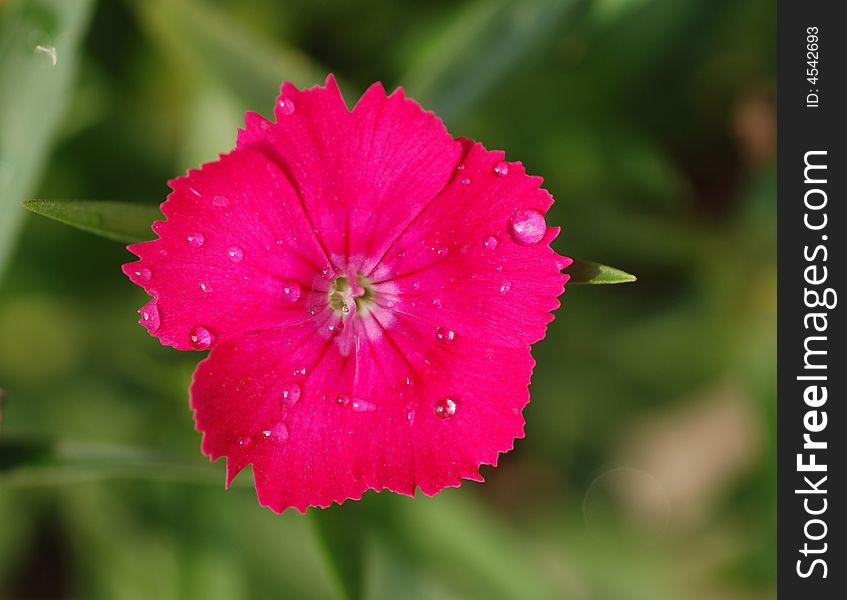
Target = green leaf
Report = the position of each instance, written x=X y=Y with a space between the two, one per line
x=340 y=533
x=225 y=69
x=590 y=273
x=39 y=47
x=26 y=463
x=467 y=56
x=118 y=221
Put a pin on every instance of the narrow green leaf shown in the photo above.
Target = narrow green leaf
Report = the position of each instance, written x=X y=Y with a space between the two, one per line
x=39 y=48
x=119 y=221
x=469 y=55
x=340 y=535
x=591 y=273
x=209 y=45
x=25 y=463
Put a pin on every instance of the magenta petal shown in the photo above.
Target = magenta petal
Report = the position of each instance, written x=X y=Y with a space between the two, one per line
x=235 y=235
x=363 y=175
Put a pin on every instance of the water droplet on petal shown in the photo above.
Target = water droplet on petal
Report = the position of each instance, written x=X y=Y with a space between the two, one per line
x=277 y=434
x=527 y=226
x=150 y=316
x=501 y=169
x=442 y=334
x=465 y=181
x=460 y=167
x=290 y=394
x=436 y=302
x=505 y=287
x=143 y=274
x=445 y=408
x=490 y=243
x=300 y=371
x=286 y=106
x=195 y=240
x=359 y=405
x=200 y=338
x=205 y=287
x=243 y=442
x=291 y=290
x=220 y=201
x=235 y=254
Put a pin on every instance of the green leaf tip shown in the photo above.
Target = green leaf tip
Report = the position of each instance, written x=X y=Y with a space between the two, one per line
x=119 y=221
x=585 y=272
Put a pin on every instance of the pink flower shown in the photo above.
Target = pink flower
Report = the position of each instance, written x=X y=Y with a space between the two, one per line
x=369 y=288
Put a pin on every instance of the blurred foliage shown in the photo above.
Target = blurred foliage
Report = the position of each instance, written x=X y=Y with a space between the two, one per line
x=648 y=468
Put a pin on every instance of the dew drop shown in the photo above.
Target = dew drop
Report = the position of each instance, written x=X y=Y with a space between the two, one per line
x=278 y=434
x=195 y=240
x=442 y=334
x=359 y=405
x=200 y=338
x=436 y=302
x=445 y=408
x=143 y=274
x=290 y=394
x=460 y=168
x=416 y=285
x=150 y=316
x=235 y=254
x=527 y=226
x=490 y=243
x=501 y=169
x=286 y=106
x=220 y=201
x=243 y=442
x=291 y=290
x=465 y=181
x=300 y=371
x=505 y=287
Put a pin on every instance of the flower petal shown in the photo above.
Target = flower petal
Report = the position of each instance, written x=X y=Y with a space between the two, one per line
x=462 y=267
x=234 y=254
x=367 y=421
x=363 y=174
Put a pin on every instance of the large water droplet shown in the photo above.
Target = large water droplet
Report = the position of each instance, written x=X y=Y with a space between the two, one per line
x=143 y=274
x=527 y=226
x=278 y=434
x=220 y=201
x=150 y=316
x=200 y=338
x=442 y=334
x=235 y=254
x=290 y=394
x=501 y=169
x=445 y=408
x=286 y=106
x=489 y=243
x=291 y=290
x=196 y=239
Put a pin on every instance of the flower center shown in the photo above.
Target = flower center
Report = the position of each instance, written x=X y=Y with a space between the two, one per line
x=352 y=294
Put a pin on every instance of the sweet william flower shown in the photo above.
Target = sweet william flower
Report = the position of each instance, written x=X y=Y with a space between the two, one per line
x=369 y=288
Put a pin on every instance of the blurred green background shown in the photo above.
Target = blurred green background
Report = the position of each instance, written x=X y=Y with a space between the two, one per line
x=648 y=467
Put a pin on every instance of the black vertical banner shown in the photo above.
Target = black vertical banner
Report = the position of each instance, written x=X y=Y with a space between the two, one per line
x=812 y=171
